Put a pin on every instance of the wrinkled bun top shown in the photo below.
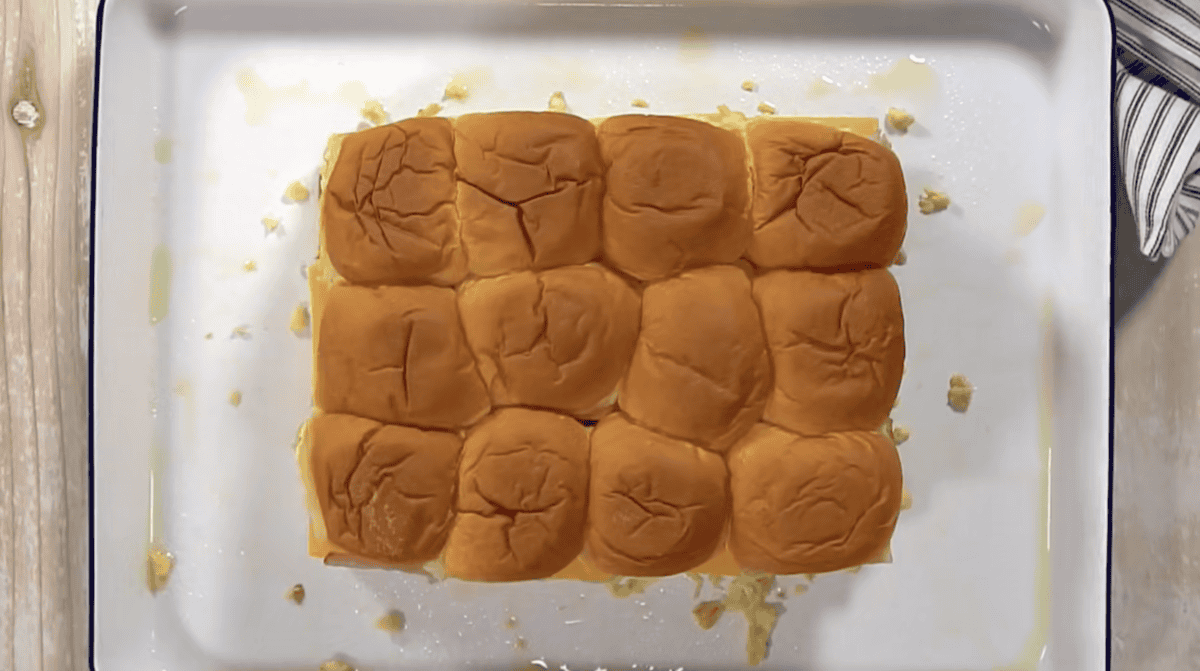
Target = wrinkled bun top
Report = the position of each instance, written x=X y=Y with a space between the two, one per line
x=823 y=198
x=388 y=211
x=557 y=339
x=701 y=370
x=837 y=345
x=522 y=497
x=677 y=194
x=530 y=189
x=386 y=492
x=397 y=355
x=657 y=505
x=811 y=505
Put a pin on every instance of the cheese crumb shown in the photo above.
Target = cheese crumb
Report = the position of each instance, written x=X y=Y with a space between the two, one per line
x=299 y=320
x=899 y=119
x=242 y=332
x=296 y=594
x=159 y=564
x=235 y=398
x=392 y=622
x=933 y=201
x=708 y=613
x=899 y=434
x=959 y=396
x=558 y=103
x=208 y=336
x=905 y=500
x=336 y=665
x=270 y=223
x=749 y=85
x=638 y=102
x=457 y=91
x=296 y=191
x=766 y=108
x=250 y=266
x=373 y=111
x=624 y=587
x=432 y=109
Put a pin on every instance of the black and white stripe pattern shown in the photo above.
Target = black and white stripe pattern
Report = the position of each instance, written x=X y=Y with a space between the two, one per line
x=1158 y=119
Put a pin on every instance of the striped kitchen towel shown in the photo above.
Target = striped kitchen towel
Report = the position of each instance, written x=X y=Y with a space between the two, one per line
x=1157 y=110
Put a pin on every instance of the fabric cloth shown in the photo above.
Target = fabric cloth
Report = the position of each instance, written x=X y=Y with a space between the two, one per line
x=1156 y=99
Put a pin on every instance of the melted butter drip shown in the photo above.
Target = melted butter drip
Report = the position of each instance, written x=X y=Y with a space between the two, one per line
x=160 y=283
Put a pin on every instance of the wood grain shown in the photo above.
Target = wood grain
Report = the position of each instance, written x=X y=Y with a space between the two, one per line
x=44 y=245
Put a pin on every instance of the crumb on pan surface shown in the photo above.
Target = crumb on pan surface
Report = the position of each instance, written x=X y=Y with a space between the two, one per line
x=933 y=201
x=959 y=395
x=899 y=119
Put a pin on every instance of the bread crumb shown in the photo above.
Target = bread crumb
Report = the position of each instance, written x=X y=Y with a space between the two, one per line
x=905 y=500
x=373 y=111
x=899 y=434
x=901 y=258
x=270 y=223
x=749 y=85
x=899 y=119
x=296 y=593
x=391 y=622
x=235 y=398
x=766 y=108
x=242 y=332
x=159 y=564
x=933 y=201
x=432 y=109
x=296 y=191
x=250 y=266
x=558 y=103
x=299 y=320
x=336 y=665
x=456 y=90
x=708 y=613
x=638 y=102
x=959 y=396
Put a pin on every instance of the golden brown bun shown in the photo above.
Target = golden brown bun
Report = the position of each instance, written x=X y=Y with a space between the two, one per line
x=388 y=209
x=837 y=345
x=823 y=198
x=386 y=492
x=529 y=192
x=522 y=497
x=810 y=505
x=397 y=355
x=557 y=339
x=657 y=506
x=701 y=370
x=677 y=196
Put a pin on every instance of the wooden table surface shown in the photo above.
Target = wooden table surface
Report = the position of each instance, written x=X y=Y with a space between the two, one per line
x=44 y=250
x=45 y=151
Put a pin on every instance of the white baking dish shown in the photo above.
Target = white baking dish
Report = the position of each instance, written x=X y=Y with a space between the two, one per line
x=984 y=575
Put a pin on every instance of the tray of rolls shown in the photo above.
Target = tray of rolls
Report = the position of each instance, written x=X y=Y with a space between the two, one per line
x=591 y=336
